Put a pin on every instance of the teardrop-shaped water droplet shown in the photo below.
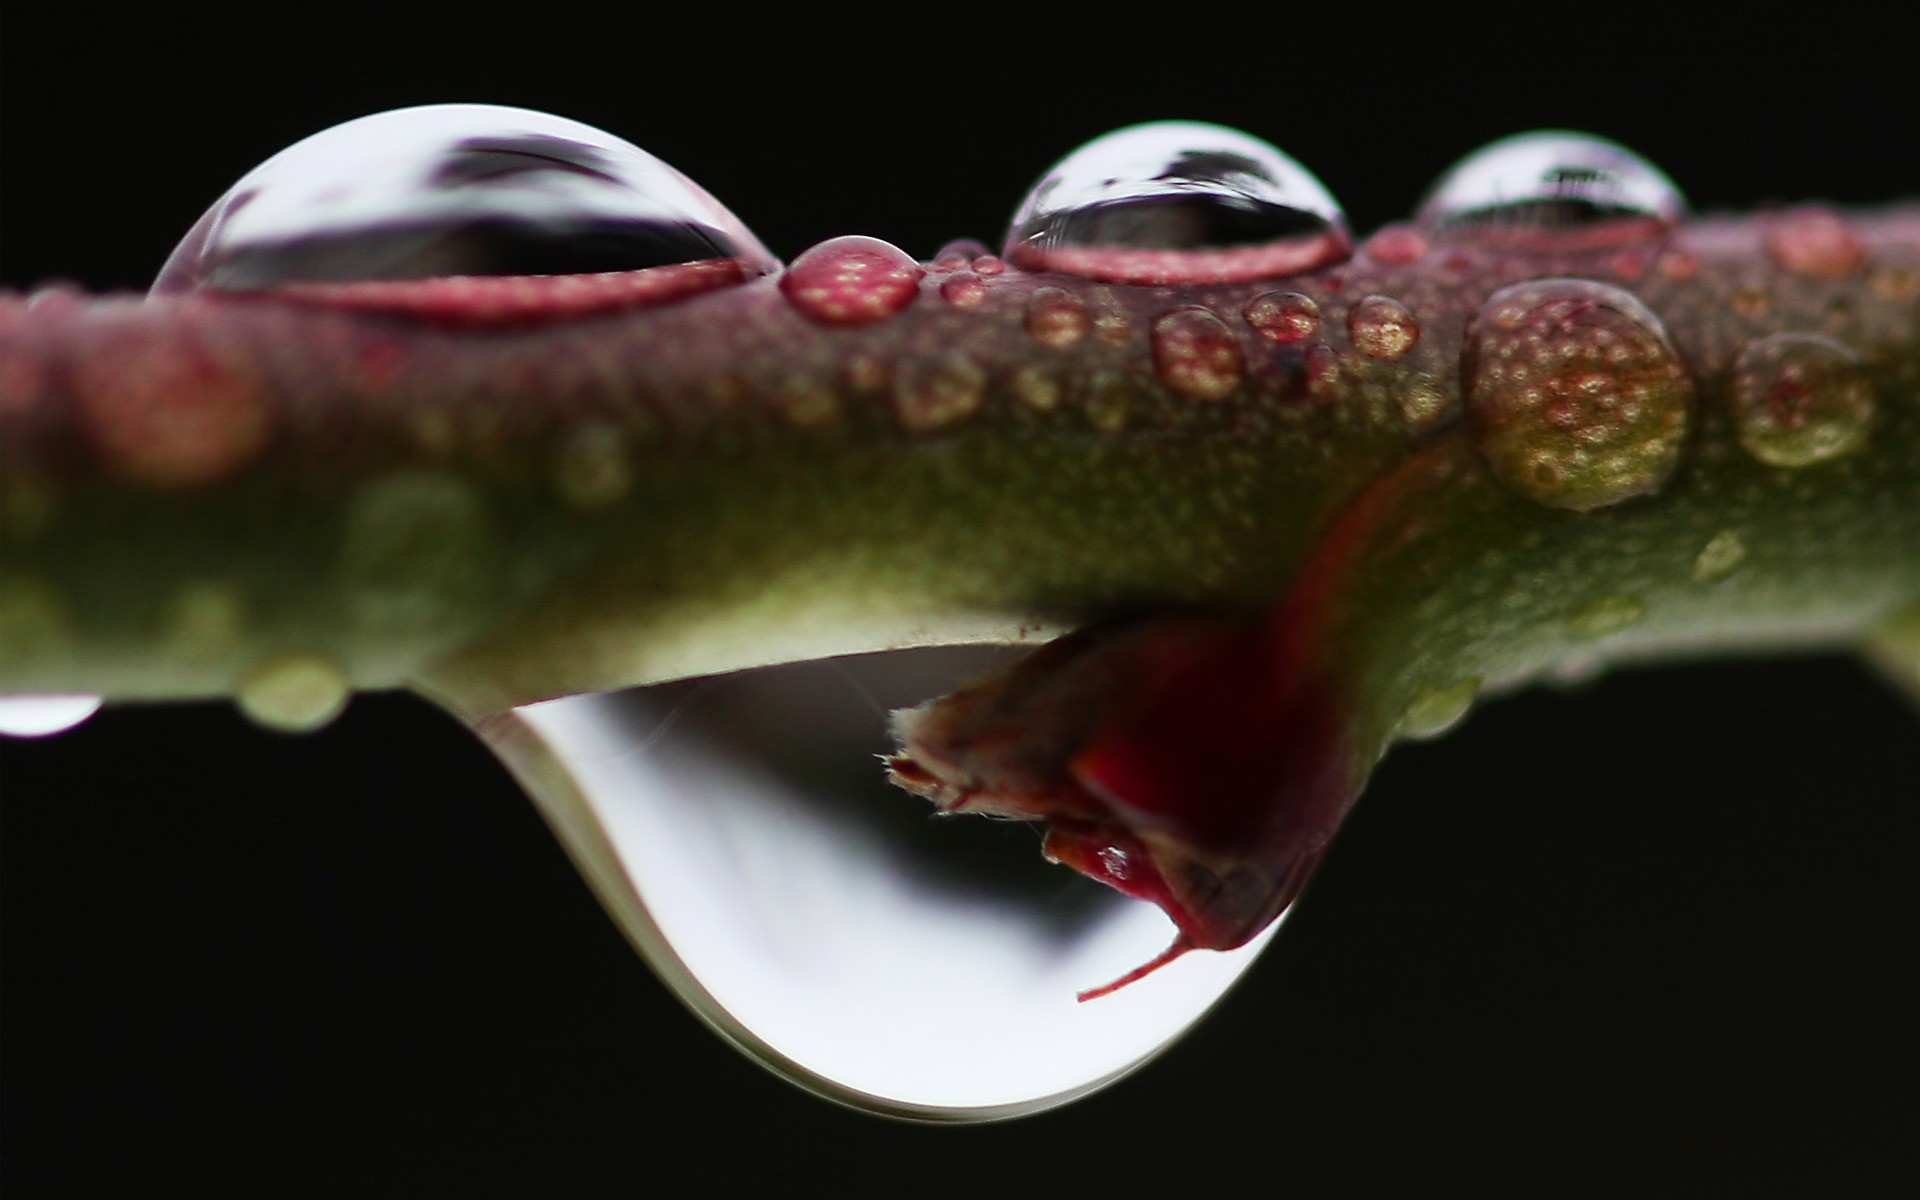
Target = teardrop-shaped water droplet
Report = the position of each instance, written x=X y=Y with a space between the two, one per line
x=1178 y=202
x=1577 y=394
x=740 y=832
x=1555 y=188
x=456 y=190
x=41 y=716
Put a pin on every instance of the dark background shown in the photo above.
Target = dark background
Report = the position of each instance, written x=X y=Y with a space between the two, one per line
x=1656 y=934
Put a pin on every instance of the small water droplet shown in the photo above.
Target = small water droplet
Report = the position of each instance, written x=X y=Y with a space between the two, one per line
x=934 y=392
x=958 y=254
x=1036 y=388
x=294 y=693
x=1178 y=202
x=805 y=403
x=1196 y=354
x=964 y=291
x=1817 y=243
x=739 y=831
x=1605 y=616
x=1326 y=370
x=1424 y=404
x=1554 y=188
x=1397 y=245
x=1056 y=318
x=593 y=465
x=852 y=281
x=1800 y=399
x=1578 y=397
x=31 y=716
x=1283 y=317
x=1381 y=327
x=1435 y=709
x=1720 y=557
x=448 y=190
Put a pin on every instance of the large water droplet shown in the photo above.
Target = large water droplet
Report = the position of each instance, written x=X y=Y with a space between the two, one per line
x=1800 y=399
x=1557 y=188
x=740 y=832
x=457 y=190
x=41 y=716
x=1577 y=395
x=1178 y=202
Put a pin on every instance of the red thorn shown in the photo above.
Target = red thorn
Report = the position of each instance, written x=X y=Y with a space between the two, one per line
x=1180 y=946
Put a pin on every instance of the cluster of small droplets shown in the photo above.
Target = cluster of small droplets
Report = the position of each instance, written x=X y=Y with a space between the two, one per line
x=1577 y=395
x=1382 y=327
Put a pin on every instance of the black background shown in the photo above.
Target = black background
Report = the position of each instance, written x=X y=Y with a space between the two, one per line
x=1656 y=934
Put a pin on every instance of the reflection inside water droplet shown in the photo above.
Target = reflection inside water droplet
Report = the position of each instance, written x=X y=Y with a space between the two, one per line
x=1557 y=187
x=828 y=924
x=453 y=190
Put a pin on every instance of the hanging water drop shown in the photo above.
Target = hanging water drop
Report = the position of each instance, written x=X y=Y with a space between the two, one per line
x=451 y=191
x=1556 y=189
x=820 y=921
x=1178 y=202
x=42 y=716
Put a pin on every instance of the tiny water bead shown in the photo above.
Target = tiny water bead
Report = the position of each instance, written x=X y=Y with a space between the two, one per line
x=852 y=281
x=1555 y=189
x=1178 y=202
x=459 y=190
x=1576 y=393
x=930 y=394
x=294 y=693
x=1605 y=616
x=1720 y=557
x=1800 y=399
x=1056 y=318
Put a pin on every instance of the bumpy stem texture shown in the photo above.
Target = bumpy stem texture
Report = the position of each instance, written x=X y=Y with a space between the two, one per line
x=197 y=490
